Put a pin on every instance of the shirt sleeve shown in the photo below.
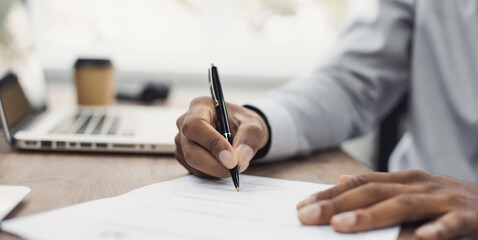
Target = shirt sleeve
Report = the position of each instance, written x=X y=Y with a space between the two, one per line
x=363 y=77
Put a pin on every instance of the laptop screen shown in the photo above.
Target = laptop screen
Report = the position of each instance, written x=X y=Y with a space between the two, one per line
x=22 y=84
x=15 y=105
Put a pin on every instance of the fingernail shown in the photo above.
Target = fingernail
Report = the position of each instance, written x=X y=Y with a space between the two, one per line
x=309 y=214
x=227 y=159
x=346 y=219
x=305 y=202
x=245 y=153
x=243 y=168
x=344 y=178
x=430 y=230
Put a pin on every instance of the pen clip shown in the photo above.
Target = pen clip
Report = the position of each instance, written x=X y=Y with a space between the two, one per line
x=211 y=86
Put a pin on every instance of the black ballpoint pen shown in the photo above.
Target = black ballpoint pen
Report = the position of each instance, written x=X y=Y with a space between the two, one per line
x=218 y=98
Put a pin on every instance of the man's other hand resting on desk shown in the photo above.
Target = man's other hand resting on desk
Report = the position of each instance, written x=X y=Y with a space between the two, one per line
x=383 y=199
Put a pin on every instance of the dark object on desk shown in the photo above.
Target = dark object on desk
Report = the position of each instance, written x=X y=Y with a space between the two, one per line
x=151 y=92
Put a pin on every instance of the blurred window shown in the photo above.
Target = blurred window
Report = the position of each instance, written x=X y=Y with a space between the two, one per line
x=274 y=38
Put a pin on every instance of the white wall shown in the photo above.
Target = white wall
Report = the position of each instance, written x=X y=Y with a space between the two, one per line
x=273 y=39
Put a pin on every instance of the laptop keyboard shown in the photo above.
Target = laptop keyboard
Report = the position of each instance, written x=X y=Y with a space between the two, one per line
x=87 y=121
x=85 y=124
x=114 y=126
x=99 y=126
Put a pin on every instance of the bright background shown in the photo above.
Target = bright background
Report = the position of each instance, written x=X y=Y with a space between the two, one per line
x=257 y=44
x=266 y=40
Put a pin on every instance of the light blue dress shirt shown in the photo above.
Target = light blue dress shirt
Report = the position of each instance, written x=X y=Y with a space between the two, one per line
x=426 y=47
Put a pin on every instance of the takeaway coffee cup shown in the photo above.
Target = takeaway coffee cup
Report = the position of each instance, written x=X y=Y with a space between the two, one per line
x=95 y=81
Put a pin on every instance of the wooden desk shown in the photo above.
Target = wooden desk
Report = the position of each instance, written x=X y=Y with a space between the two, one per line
x=62 y=179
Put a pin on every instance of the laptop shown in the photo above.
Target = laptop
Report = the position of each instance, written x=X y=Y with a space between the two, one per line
x=28 y=123
x=98 y=129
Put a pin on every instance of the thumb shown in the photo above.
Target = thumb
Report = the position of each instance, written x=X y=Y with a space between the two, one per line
x=248 y=140
x=452 y=225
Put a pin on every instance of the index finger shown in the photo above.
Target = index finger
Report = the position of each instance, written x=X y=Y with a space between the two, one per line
x=197 y=127
x=397 y=177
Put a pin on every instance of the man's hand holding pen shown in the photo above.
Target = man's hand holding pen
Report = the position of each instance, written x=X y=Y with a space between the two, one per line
x=203 y=151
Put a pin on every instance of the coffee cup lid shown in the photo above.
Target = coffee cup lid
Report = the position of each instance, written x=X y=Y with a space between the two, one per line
x=92 y=62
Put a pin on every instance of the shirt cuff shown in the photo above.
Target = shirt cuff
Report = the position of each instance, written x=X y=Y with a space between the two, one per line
x=283 y=132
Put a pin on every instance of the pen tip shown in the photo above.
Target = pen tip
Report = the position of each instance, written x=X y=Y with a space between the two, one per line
x=237 y=189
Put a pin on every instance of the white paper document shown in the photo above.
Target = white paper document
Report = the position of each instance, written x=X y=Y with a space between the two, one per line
x=10 y=197
x=189 y=208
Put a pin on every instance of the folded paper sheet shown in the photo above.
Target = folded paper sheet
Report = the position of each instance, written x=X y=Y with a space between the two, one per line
x=189 y=208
